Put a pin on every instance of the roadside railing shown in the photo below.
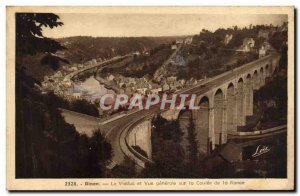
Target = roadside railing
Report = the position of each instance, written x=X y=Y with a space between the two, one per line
x=128 y=150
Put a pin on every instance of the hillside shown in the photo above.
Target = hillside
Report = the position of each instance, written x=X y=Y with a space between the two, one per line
x=82 y=49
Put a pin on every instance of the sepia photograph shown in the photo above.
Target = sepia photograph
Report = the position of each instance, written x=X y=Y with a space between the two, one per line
x=150 y=98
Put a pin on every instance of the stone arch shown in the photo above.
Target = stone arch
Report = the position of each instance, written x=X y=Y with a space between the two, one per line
x=184 y=120
x=276 y=69
x=231 y=112
x=240 y=102
x=267 y=68
x=255 y=80
x=248 y=94
x=261 y=77
x=202 y=127
x=185 y=113
x=218 y=115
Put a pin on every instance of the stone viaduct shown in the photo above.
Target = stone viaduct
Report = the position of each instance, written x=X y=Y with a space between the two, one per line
x=225 y=101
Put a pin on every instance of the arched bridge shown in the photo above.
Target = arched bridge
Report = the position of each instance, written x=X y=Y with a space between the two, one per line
x=225 y=101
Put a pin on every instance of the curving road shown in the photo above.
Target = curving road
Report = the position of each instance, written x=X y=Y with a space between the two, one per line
x=103 y=63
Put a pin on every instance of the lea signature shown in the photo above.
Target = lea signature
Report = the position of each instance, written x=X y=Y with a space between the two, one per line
x=261 y=149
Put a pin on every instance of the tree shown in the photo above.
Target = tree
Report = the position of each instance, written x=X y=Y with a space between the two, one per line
x=30 y=39
x=168 y=154
x=47 y=146
x=85 y=107
x=99 y=152
x=193 y=145
x=127 y=169
x=278 y=39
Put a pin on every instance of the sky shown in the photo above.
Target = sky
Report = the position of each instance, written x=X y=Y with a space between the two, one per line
x=136 y=25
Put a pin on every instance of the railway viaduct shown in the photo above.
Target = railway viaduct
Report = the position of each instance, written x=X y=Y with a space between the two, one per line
x=225 y=101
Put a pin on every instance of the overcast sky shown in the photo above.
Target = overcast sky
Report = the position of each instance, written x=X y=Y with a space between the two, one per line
x=126 y=25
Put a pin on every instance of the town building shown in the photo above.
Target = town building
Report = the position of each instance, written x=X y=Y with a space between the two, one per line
x=73 y=68
x=67 y=83
x=76 y=95
x=58 y=74
x=142 y=90
x=249 y=41
x=188 y=40
x=110 y=77
x=156 y=90
x=248 y=45
x=165 y=87
x=267 y=45
x=171 y=79
x=179 y=41
x=262 y=52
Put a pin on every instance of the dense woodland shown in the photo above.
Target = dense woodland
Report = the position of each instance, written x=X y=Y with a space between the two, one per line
x=208 y=55
x=171 y=160
x=46 y=146
x=272 y=97
x=83 y=48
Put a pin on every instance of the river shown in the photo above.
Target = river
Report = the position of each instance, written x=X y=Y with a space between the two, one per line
x=90 y=89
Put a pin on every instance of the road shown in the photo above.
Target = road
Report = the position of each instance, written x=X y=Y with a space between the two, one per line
x=115 y=129
x=84 y=124
x=72 y=74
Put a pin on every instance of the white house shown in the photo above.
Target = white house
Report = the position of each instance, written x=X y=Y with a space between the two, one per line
x=73 y=69
x=110 y=77
x=262 y=52
x=171 y=79
x=67 y=83
x=248 y=44
x=76 y=95
x=141 y=90
x=165 y=87
x=188 y=40
x=57 y=74
x=249 y=41
x=156 y=90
